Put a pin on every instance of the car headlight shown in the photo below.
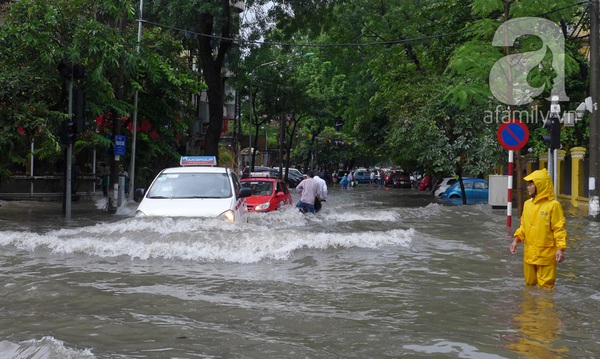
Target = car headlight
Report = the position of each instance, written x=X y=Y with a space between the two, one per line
x=228 y=215
x=263 y=206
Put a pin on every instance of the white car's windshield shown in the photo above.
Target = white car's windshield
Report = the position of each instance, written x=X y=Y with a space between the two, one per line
x=191 y=185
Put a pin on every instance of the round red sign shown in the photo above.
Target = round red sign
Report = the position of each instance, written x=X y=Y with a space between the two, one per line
x=513 y=135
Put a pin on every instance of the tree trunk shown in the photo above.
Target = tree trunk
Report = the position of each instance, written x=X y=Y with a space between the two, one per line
x=459 y=172
x=215 y=110
x=212 y=57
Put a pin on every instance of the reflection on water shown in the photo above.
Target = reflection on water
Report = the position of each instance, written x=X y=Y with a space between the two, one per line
x=537 y=325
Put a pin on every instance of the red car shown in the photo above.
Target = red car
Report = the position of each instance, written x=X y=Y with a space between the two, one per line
x=268 y=194
x=425 y=183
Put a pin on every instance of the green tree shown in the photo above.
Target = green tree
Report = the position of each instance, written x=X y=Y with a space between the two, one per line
x=37 y=36
x=210 y=27
x=472 y=61
x=328 y=149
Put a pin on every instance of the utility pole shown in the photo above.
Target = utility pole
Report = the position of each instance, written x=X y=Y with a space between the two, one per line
x=69 y=128
x=594 y=202
x=281 y=142
x=69 y=157
x=135 y=115
x=237 y=130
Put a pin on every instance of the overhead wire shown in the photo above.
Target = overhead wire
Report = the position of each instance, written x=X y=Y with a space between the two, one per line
x=376 y=43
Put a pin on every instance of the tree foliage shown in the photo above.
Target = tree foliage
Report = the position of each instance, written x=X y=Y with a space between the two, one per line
x=37 y=36
x=408 y=80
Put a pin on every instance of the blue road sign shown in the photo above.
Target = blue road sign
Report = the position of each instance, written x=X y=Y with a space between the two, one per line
x=513 y=135
x=119 y=145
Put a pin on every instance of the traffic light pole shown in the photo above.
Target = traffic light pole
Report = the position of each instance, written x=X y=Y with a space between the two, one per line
x=552 y=140
x=555 y=173
x=550 y=164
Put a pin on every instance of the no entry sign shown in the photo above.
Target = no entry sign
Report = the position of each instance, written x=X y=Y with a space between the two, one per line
x=513 y=135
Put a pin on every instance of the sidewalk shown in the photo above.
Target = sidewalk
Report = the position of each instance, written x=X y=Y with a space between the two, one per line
x=43 y=214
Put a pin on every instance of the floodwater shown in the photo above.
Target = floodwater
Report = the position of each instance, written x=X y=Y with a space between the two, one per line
x=377 y=274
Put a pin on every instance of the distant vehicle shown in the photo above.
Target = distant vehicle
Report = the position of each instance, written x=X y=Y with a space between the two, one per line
x=196 y=189
x=443 y=185
x=397 y=179
x=362 y=175
x=425 y=183
x=268 y=194
x=246 y=171
x=476 y=190
x=294 y=177
x=296 y=172
x=292 y=181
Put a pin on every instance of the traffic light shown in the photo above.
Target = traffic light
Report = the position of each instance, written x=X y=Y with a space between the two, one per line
x=74 y=71
x=67 y=132
x=552 y=139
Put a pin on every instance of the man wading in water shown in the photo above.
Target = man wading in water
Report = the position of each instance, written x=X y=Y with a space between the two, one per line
x=309 y=190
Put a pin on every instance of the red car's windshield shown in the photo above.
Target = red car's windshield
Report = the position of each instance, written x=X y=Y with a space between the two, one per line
x=259 y=188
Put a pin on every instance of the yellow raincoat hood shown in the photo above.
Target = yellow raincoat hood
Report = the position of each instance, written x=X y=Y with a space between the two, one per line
x=543 y=184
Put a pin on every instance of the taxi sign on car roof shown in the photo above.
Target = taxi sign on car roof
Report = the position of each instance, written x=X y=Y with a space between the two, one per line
x=265 y=174
x=198 y=161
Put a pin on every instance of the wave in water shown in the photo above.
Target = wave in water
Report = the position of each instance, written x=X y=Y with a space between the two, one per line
x=199 y=240
x=45 y=348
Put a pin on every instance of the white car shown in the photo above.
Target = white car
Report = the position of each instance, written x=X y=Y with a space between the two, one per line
x=197 y=189
x=443 y=185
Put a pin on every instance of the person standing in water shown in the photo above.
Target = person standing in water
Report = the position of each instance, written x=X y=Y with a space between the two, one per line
x=542 y=231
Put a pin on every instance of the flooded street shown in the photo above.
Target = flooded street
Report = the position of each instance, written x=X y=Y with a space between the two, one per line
x=377 y=274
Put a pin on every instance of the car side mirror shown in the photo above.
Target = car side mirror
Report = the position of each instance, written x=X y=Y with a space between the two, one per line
x=279 y=194
x=245 y=192
x=138 y=194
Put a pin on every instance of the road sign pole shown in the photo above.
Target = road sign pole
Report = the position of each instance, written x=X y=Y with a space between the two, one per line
x=510 y=193
x=512 y=135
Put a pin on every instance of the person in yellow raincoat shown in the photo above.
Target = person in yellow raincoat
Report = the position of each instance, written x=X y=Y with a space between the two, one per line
x=542 y=231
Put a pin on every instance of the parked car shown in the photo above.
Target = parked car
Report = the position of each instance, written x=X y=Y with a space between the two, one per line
x=443 y=184
x=293 y=178
x=362 y=175
x=268 y=194
x=296 y=173
x=196 y=189
x=476 y=190
x=425 y=183
x=397 y=179
x=246 y=171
